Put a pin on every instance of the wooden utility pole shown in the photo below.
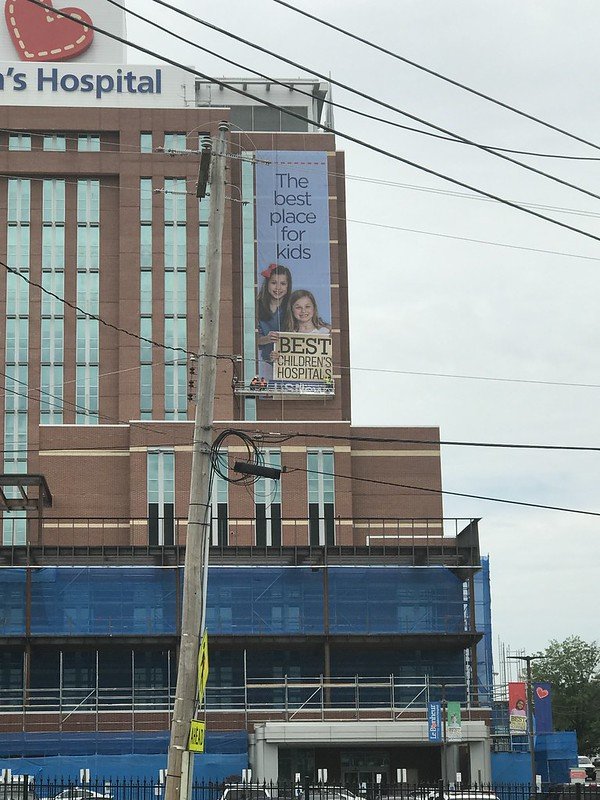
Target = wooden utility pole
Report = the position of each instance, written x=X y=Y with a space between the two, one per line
x=193 y=620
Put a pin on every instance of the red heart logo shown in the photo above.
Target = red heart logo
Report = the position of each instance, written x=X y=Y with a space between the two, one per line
x=541 y=692
x=40 y=35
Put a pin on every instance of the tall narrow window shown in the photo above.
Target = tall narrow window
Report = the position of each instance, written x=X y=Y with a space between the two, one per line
x=16 y=347
x=53 y=281
x=203 y=215
x=321 y=497
x=219 y=503
x=88 y=298
x=146 y=142
x=161 y=496
x=267 y=500
x=175 y=308
x=146 y=297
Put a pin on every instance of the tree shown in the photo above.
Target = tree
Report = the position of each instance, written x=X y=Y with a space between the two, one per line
x=573 y=668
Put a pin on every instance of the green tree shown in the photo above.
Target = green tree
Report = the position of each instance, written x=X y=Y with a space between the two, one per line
x=573 y=668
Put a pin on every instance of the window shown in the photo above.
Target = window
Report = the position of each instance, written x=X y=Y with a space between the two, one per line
x=88 y=143
x=267 y=500
x=16 y=348
x=219 y=503
x=55 y=142
x=146 y=142
x=175 y=290
x=52 y=322
x=19 y=141
x=160 y=468
x=175 y=141
x=259 y=118
x=321 y=495
x=146 y=297
x=88 y=298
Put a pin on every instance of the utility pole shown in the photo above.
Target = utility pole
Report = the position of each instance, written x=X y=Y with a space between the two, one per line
x=528 y=660
x=193 y=620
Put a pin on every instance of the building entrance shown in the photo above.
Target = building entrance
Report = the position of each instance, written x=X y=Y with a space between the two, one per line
x=363 y=766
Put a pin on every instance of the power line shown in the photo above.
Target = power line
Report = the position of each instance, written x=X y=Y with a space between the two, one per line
x=323 y=127
x=469 y=239
x=61 y=402
x=364 y=95
x=429 y=490
x=102 y=321
x=524 y=248
x=285 y=436
x=294 y=87
x=439 y=75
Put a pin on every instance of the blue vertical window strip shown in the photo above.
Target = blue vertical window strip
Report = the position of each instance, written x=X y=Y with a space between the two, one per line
x=248 y=283
x=88 y=298
x=16 y=348
x=175 y=303
x=52 y=322
x=146 y=297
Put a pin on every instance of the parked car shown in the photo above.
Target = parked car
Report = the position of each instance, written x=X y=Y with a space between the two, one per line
x=245 y=791
x=81 y=793
x=583 y=762
x=329 y=793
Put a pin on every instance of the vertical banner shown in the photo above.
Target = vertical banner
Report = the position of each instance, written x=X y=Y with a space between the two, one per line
x=293 y=304
x=517 y=708
x=542 y=705
x=434 y=722
x=453 y=722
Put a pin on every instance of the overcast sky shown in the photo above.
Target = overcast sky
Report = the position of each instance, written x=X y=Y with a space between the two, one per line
x=423 y=303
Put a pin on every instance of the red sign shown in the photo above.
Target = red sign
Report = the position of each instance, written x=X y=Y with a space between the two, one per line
x=517 y=708
x=40 y=35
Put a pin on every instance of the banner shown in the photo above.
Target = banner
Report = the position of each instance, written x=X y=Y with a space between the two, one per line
x=517 y=709
x=434 y=722
x=453 y=722
x=542 y=706
x=293 y=270
x=300 y=357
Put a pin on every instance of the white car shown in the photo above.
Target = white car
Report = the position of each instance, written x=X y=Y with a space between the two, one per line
x=81 y=793
x=583 y=762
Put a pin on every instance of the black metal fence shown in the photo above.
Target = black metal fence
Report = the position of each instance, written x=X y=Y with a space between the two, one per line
x=26 y=788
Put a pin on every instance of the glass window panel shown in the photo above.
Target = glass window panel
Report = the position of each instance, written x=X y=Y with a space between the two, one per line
x=266 y=119
x=145 y=142
x=289 y=123
x=55 y=141
x=88 y=143
x=146 y=292
x=19 y=141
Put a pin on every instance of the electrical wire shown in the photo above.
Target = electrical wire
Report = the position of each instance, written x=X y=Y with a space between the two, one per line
x=426 y=489
x=290 y=85
x=61 y=403
x=323 y=127
x=107 y=324
x=281 y=437
x=253 y=456
x=364 y=95
x=439 y=75
x=467 y=239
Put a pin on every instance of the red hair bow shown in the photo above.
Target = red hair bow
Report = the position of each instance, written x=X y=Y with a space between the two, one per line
x=266 y=273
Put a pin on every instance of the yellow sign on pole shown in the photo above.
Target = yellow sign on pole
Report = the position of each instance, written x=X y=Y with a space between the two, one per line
x=196 y=740
x=202 y=666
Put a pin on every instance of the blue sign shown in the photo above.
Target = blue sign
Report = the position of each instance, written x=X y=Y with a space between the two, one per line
x=542 y=704
x=434 y=722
